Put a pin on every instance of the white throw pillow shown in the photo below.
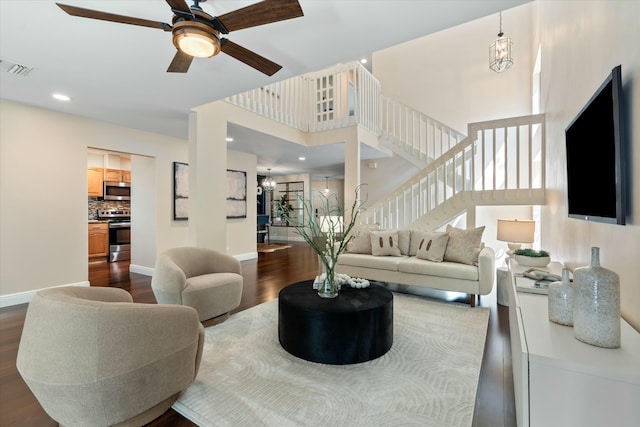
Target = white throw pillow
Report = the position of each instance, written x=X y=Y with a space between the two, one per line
x=361 y=242
x=432 y=246
x=404 y=241
x=464 y=245
x=385 y=243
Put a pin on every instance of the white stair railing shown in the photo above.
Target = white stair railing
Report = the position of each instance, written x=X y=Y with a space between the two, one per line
x=500 y=162
x=414 y=135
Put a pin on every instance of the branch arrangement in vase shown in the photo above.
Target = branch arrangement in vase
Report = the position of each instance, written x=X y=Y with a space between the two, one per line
x=326 y=231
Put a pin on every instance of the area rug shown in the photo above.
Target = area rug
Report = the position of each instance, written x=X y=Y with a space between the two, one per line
x=271 y=247
x=428 y=378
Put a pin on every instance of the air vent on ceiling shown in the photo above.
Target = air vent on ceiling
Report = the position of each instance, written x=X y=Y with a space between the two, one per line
x=13 y=68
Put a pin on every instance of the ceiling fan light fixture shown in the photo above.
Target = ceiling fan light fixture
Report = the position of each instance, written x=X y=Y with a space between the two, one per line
x=196 y=39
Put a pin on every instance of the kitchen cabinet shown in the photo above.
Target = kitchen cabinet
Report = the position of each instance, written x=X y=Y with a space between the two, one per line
x=113 y=175
x=95 y=178
x=98 y=239
x=126 y=176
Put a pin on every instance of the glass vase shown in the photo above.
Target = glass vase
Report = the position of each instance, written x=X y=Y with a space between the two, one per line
x=328 y=287
x=596 y=307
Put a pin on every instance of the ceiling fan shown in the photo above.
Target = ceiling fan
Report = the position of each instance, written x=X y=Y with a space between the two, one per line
x=196 y=33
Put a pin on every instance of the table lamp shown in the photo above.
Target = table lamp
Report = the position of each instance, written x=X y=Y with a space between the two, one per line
x=515 y=232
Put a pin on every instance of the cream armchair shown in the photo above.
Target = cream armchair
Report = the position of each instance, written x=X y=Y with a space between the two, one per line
x=207 y=280
x=92 y=357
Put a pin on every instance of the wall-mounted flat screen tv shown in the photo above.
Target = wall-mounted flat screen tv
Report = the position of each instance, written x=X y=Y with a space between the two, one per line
x=595 y=156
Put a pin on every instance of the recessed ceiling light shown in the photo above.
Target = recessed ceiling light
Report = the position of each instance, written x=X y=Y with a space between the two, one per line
x=229 y=139
x=302 y=158
x=363 y=61
x=61 y=97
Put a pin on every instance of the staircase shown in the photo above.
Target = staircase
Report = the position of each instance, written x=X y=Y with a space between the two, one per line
x=500 y=162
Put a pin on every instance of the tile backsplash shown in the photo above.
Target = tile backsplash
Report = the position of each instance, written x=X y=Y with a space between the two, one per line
x=94 y=205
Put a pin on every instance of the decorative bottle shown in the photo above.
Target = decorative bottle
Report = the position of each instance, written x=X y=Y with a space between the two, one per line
x=596 y=308
x=561 y=300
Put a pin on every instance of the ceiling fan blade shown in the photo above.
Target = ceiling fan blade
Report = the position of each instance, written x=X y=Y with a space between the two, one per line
x=252 y=59
x=179 y=5
x=180 y=63
x=265 y=12
x=105 y=16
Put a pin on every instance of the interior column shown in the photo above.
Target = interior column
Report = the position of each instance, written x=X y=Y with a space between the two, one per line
x=351 y=174
x=207 y=178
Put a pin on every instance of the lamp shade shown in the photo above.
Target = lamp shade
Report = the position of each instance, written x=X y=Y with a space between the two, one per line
x=516 y=231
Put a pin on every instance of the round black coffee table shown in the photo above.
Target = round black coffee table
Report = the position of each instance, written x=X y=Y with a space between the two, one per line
x=354 y=327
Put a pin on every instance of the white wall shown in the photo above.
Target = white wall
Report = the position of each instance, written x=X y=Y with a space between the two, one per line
x=581 y=42
x=144 y=208
x=43 y=194
x=241 y=232
x=389 y=174
x=446 y=75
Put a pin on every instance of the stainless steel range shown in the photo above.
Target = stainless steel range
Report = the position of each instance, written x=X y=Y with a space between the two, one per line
x=119 y=232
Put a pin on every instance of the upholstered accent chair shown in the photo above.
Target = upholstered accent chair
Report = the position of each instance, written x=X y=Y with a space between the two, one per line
x=207 y=280
x=92 y=357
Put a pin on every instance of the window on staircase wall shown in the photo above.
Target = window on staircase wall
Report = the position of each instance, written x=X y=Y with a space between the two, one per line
x=536 y=107
x=535 y=92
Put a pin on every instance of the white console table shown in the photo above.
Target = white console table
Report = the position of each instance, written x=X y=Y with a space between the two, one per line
x=560 y=381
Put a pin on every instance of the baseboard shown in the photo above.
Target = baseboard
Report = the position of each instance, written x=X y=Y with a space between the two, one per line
x=140 y=269
x=26 y=297
x=247 y=256
x=288 y=239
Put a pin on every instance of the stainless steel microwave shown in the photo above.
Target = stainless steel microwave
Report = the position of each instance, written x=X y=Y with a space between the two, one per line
x=114 y=190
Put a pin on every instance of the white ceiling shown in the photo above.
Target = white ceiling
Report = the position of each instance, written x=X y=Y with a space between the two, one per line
x=117 y=73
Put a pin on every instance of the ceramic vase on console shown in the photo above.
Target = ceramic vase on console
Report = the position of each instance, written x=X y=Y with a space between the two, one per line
x=560 y=300
x=328 y=286
x=596 y=309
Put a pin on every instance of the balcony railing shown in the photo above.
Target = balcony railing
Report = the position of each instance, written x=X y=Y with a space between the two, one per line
x=348 y=95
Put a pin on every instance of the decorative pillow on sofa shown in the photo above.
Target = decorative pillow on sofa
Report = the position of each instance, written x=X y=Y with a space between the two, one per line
x=432 y=245
x=361 y=242
x=464 y=245
x=416 y=238
x=404 y=240
x=385 y=243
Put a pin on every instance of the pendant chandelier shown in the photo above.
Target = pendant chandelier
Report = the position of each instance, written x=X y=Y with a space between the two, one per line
x=500 y=52
x=269 y=184
x=326 y=185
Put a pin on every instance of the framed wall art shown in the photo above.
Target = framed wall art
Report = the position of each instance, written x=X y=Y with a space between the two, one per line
x=180 y=191
x=236 y=194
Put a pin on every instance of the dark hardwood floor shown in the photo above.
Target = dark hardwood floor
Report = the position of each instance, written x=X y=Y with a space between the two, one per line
x=263 y=279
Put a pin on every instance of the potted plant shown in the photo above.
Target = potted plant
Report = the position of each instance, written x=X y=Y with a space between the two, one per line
x=531 y=257
x=284 y=207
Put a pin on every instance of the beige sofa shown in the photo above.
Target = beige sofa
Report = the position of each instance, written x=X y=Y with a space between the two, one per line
x=472 y=273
